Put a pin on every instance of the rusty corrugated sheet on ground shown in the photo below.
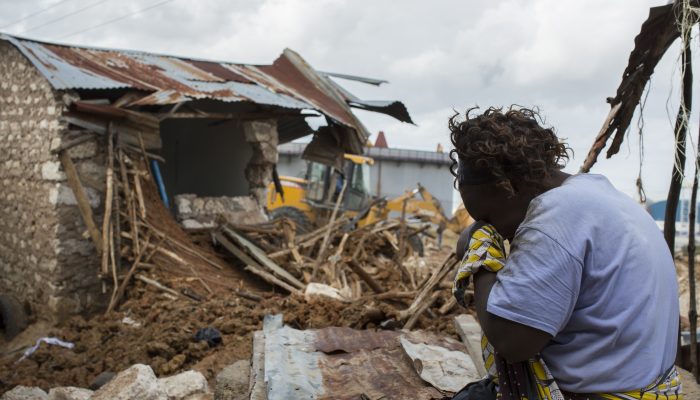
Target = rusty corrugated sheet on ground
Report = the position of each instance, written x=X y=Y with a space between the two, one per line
x=288 y=83
x=343 y=363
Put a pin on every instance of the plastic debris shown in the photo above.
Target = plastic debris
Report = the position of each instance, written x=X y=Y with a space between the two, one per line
x=211 y=335
x=47 y=340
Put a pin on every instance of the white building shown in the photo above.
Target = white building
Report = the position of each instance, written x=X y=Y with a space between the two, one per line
x=394 y=172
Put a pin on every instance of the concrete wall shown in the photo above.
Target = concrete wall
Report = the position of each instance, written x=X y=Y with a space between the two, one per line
x=45 y=260
x=204 y=159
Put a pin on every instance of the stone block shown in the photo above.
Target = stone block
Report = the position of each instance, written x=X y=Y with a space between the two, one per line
x=180 y=386
x=233 y=381
x=63 y=195
x=25 y=393
x=183 y=204
x=69 y=393
x=51 y=171
x=261 y=131
x=136 y=382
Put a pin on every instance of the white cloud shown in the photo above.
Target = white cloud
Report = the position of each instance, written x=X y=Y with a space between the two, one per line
x=565 y=57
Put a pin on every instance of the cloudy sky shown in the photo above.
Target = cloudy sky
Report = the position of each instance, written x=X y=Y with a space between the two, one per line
x=562 y=56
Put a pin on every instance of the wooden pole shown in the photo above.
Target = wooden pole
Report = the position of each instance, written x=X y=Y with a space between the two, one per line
x=357 y=268
x=106 y=221
x=692 y=312
x=81 y=198
x=324 y=244
x=680 y=132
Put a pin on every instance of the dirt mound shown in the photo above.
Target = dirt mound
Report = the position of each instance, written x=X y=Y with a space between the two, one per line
x=159 y=332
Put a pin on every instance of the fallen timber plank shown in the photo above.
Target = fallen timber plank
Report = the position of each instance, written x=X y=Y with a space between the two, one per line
x=157 y=285
x=424 y=294
x=414 y=318
x=238 y=253
x=470 y=332
x=85 y=137
x=272 y=279
x=252 y=265
x=357 y=268
x=263 y=259
x=81 y=198
x=182 y=246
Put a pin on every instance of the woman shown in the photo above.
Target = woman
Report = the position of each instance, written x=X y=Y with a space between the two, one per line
x=586 y=303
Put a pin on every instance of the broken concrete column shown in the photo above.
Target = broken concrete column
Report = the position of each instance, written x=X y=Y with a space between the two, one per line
x=206 y=212
x=263 y=138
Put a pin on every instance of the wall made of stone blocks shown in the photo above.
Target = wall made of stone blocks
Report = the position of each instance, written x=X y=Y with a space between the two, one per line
x=46 y=260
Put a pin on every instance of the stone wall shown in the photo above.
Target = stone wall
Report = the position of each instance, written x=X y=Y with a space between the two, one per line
x=46 y=260
x=207 y=212
x=263 y=138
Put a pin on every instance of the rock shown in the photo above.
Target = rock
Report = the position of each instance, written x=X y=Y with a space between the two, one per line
x=182 y=385
x=232 y=381
x=314 y=289
x=136 y=382
x=25 y=393
x=101 y=379
x=69 y=393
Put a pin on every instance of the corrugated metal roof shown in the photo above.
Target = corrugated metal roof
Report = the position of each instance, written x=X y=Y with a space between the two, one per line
x=288 y=83
x=342 y=363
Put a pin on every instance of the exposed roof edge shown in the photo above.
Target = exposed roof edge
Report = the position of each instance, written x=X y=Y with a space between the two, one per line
x=289 y=82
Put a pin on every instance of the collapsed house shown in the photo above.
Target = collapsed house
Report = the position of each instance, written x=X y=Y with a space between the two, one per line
x=209 y=131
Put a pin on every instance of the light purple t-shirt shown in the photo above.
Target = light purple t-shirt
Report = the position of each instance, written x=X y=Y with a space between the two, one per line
x=589 y=266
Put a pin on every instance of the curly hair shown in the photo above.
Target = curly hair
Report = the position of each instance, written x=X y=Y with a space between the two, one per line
x=510 y=146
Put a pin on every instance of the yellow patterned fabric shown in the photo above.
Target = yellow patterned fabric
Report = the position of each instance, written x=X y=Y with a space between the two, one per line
x=532 y=380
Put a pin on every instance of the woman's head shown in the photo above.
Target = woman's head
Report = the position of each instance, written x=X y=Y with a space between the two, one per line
x=501 y=160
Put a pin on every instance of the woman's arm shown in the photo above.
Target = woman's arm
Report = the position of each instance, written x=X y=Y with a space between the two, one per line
x=513 y=341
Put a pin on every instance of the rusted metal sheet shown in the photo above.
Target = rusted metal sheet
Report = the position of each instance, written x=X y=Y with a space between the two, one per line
x=343 y=363
x=289 y=82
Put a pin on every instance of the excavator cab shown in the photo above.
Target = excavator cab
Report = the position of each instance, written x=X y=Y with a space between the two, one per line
x=310 y=200
x=325 y=184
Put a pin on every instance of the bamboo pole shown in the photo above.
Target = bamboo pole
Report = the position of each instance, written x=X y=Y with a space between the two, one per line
x=109 y=198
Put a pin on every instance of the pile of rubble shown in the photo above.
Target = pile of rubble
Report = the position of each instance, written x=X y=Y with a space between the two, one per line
x=168 y=283
x=136 y=382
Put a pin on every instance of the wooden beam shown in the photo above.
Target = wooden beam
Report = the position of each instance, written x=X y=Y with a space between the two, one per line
x=357 y=268
x=414 y=318
x=262 y=258
x=81 y=198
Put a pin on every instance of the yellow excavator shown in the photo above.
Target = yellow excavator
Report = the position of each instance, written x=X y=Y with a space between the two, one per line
x=310 y=201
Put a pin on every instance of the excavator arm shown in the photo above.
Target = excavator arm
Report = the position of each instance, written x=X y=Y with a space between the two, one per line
x=425 y=207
